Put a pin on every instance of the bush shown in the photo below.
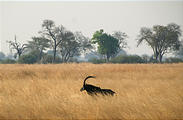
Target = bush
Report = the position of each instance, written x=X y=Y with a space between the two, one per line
x=127 y=59
x=153 y=60
x=2 y=56
x=74 y=60
x=27 y=59
x=49 y=58
x=119 y=59
x=96 y=61
x=173 y=60
x=8 y=61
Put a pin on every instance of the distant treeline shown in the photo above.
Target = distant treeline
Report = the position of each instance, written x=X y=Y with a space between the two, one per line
x=135 y=59
x=131 y=59
x=56 y=44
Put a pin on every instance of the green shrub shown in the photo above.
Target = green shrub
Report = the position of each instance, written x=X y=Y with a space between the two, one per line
x=49 y=58
x=8 y=61
x=27 y=59
x=127 y=59
x=97 y=61
x=74 y=60
x=173 y=60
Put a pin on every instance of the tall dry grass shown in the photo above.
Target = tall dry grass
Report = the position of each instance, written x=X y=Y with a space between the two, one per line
x=149 y=91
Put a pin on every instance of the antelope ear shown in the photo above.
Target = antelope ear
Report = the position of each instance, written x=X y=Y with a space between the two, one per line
x=82 y=89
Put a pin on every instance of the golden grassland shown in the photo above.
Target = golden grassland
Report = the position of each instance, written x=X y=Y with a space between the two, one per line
x=144 y=91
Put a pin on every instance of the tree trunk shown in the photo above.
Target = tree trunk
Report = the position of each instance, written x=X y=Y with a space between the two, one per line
x=40 y=55
x=156 y=55
x=54 y=54
x=19 y=54
x=107 y=58
x=160 y=58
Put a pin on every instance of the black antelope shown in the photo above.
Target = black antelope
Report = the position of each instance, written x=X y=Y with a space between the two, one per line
x=94 y=90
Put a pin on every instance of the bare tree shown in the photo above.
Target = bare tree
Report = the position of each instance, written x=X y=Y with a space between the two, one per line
x=121 y=36
x=73 y=45
x=84 y=42
x=53 y=33
x=18 y=47
x=68 y=46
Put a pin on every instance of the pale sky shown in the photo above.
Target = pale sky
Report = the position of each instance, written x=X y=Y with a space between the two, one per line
x=25 y=18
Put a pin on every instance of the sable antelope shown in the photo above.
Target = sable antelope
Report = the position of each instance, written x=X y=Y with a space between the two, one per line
x=94 y=90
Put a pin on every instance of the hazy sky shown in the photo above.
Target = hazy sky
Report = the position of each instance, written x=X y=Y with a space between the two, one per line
x=25 y=18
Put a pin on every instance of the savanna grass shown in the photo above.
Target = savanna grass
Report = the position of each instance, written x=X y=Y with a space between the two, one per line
x=144 y=91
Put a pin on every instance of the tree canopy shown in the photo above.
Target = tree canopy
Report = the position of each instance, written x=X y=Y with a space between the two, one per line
x=56 y=44
x=73 y=45
x=108 y=45
x=162 y=39
x=39 y=45
x=180 y=52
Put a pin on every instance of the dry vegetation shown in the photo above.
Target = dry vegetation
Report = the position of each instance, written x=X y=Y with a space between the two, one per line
x=149 y=91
